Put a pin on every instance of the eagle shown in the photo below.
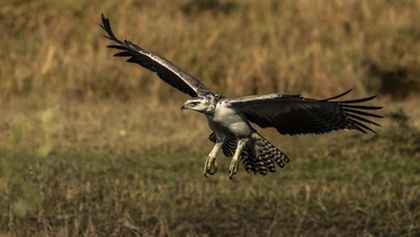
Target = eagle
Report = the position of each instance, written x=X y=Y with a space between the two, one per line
x=231 y=119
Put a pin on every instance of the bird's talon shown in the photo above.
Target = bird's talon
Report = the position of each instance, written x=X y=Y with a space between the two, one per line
x=210 y=167
x=213 y=170
x=233 y=168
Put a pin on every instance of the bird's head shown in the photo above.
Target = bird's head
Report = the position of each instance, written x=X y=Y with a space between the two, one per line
x=199 y=104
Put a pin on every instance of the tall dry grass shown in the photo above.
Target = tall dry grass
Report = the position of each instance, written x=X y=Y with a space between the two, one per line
x=236 y=47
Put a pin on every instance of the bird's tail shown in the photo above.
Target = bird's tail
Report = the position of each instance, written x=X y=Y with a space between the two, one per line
x=260 y=156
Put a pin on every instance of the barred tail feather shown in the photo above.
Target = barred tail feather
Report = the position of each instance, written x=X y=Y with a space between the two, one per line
x=269 y=151
x=260 y=157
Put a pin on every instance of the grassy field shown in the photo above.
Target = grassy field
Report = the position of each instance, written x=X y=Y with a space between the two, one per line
x=109 y=195
x=91 y=146
x=98 y=170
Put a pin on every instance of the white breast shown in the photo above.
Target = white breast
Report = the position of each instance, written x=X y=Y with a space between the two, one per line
x=227 y=120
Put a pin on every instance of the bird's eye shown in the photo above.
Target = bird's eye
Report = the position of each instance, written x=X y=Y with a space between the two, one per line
x=194 y=103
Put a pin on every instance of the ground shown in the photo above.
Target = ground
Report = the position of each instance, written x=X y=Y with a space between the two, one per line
x=63 y=174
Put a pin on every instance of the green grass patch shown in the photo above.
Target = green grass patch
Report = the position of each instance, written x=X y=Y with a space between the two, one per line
x=98 y=194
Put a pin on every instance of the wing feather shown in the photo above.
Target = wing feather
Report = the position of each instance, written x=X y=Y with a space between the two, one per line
x=294 y=114
x=166 y=70
x=353 y=111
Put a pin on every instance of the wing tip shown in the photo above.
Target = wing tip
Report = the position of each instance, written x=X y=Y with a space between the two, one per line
x=106 y=26
x=358 y=125
x=104 y=21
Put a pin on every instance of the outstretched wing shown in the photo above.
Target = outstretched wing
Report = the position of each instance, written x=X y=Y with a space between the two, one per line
x=166 y=70
x=294 y=114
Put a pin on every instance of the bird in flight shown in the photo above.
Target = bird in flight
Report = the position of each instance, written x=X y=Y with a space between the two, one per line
x=231 y=119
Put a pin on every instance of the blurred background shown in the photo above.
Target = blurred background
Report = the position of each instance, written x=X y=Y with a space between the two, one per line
x=93 y=146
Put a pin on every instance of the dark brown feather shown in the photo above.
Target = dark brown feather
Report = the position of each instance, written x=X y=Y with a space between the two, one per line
x=293 y=115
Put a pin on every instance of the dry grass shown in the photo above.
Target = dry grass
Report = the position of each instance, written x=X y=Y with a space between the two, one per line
x=236 y=47
x=91 y=146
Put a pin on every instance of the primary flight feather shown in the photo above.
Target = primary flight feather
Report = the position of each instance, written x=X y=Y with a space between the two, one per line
x=230 y=118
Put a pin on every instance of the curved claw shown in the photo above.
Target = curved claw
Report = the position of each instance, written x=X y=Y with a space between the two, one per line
x=210 y=167
x=213 y=169
x=210 y=171
x=233 y=168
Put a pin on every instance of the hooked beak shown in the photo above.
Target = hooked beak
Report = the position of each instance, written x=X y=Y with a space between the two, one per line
x=183 y=107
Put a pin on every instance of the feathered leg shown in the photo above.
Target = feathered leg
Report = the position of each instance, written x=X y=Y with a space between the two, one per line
x=234 y=164
x=210 y=166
